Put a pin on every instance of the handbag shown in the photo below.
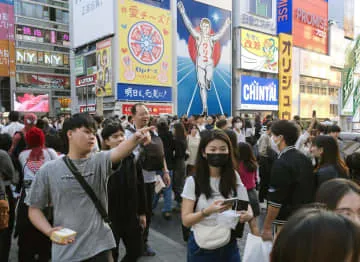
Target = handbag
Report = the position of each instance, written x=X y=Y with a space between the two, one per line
x=211 y=237
x=87 y=189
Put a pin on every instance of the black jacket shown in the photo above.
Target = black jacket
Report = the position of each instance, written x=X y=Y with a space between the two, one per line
x=169 y=148
x=126 y=192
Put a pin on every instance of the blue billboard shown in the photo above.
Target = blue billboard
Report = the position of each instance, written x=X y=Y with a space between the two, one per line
x=284 y=16
x=259 y=93
x=204 y=56
x=127 y=92
x=165 y=4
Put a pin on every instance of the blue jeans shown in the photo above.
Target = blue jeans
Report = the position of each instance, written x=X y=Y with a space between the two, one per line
x=228 y=253
x=167 y=192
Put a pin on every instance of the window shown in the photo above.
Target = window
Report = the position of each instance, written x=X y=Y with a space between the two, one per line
x=261 y=7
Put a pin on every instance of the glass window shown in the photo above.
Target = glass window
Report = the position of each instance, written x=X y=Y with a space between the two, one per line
x=261 y=7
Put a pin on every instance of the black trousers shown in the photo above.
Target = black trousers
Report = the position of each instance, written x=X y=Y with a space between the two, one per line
x=104 y=256
x=149 y=193
x=132 y=236
x=5 y=234
x=264 y=171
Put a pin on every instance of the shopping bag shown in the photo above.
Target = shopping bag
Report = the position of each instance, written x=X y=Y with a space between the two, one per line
x=256 y=250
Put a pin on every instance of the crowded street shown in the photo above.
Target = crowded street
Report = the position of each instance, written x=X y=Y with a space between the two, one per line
x=179 y=131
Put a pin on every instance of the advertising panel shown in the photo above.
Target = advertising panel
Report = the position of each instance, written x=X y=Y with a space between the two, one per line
x=79 y=66
x=165 y=4
x=146 y=52
x=257 y=15
x=337 y=46
x=259 y=52
x=285 y=76
x=259 y=93
x=204 y=58
x=154 y=109
x=7 y=39
x=310 y=25
x=104 y=68
x=310 y=102
x=27 y=56
x=92 y=20
x=85 y=81
x=315 y=65
x=37 y=35
x=42 y=81
x=91 y=109
x=28 y=102
x=349 y=22
x=144 y=93
x=284 y=16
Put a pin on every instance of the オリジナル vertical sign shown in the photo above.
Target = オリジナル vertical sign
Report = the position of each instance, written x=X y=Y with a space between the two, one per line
x=204 y=51
x=285 y=76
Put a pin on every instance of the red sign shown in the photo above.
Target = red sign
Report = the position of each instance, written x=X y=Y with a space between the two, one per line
x=310 y=25
x=88 y=108
x=86 y=80
x=154 y=109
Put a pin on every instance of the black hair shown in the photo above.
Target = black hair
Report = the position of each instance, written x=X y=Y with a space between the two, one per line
x=133 y=108
x=14 y=116
x=77 y=121
x=98 y=119
x=228 y=176
x=233 y=139
x=334 y=129
x=236 y=119
x=287 y=129
x=162 y=127
x=331 y=192
x=314 y=234
x=5 y=142
x=55 y=142
x=247 y=156
x=180 y=132
x=221 y=123
x=110 y=128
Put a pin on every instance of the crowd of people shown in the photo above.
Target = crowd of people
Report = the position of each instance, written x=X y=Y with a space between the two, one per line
x=103 y=179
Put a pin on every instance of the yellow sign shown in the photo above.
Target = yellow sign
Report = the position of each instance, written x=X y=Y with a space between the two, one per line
x=285 y=76
x=104 y=68
x=145 y=44
x=259 y=52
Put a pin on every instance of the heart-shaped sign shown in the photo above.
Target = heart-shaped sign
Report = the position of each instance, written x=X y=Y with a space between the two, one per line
x=124 y=50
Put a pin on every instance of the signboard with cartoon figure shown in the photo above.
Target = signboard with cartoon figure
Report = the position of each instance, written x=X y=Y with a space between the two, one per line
x=204 y=51
x=104 y=68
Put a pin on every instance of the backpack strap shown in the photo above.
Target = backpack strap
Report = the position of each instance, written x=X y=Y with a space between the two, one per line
x=87 y=189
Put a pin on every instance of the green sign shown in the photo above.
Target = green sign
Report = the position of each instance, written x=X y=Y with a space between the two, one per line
x=79 y=65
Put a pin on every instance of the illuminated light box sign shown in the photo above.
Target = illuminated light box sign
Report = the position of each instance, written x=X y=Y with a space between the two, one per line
x=28 y=102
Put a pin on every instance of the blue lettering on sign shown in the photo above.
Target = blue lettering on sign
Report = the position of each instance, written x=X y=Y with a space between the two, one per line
x=259 y=93
x=144 y=93
x=284 y=16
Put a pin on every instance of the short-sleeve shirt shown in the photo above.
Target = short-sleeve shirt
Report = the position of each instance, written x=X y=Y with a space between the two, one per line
x=292 y=183
x=73 y=208
x=189 y=193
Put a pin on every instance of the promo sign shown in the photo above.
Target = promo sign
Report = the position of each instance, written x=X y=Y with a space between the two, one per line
x=87 y=108
x=259 y=52
x=144 y=93
x=259 y=93
x=154 y=109
x=145 y=44
x=104 y=68
x=284 y=16
x=285 y=76
x=86 y=81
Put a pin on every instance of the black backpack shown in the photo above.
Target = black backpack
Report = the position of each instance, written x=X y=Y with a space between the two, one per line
x=21 y=145
x=152 y=155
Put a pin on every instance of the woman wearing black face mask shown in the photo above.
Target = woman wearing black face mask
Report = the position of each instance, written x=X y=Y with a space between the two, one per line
x=203 y=206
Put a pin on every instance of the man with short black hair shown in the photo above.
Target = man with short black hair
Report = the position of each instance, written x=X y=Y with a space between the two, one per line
x=141 y=118
x=292 y=181
x=14 y=125
x=55 y=183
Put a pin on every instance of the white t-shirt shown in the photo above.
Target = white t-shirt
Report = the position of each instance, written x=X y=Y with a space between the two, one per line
x=189 y=193
x=240 y=136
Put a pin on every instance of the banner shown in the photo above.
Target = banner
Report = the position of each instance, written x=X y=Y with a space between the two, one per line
x=144 y=93
x=154 y=109
x=285 y=76
x=284 y=10
x=85 y=81
x=259 y=93
x=104 y=68
x=204 y=70
x=145 y=44
x=7 y=39
x=79 y=66
x=259 y=52
x=349 y=23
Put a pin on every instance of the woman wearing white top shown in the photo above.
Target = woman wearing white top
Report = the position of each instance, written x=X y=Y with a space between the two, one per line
x=215 y=180
x=193 y=141
x=238 y=128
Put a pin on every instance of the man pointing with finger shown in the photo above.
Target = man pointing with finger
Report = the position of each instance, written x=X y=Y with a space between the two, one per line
x=55 y=184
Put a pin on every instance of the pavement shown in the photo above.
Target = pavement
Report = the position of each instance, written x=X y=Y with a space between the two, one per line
x=165 y=238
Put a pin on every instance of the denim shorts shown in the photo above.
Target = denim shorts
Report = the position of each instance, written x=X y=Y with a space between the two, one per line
x=227 y=253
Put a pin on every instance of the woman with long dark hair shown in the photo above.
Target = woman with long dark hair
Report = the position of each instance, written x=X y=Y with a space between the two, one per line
x=326 y=150
x=179 y=162
x=248 y=170
x=32 y=243
x=203 y=201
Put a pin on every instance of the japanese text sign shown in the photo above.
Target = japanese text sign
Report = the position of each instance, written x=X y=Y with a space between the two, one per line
x=145 y=44
x=285 y=76
x=144 y=93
